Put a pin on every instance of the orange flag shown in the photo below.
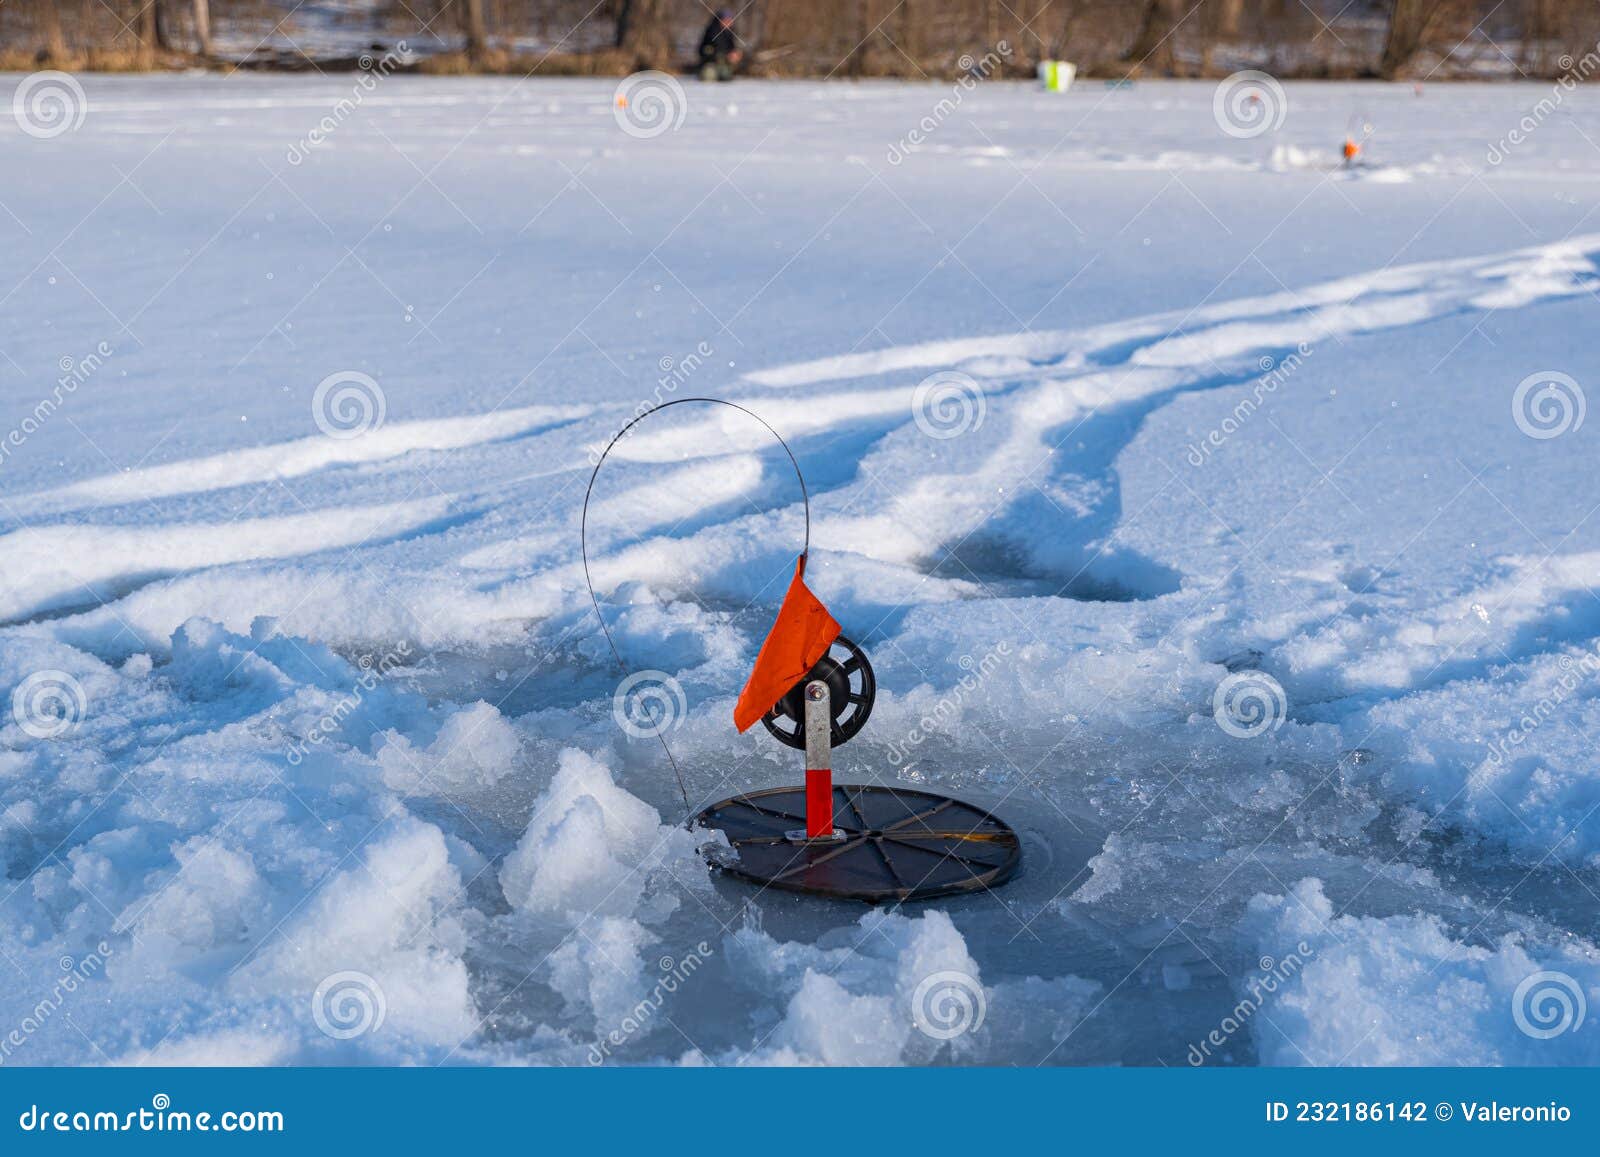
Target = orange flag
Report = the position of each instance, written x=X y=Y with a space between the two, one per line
x=800 y=636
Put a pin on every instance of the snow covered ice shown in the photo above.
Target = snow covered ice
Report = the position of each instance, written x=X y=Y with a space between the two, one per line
x=1184 y=488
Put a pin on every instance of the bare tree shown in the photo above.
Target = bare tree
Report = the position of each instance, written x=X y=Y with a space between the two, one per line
x=1220 y=22
x=159 y=17
x=473 y=26
x=641 y=31
x=855 y=61
x=202 y=26
x=1410 y=22
x=1227 y=17
x=144 y=27
x=755 y=20
x=54 y=42
x=1153 y=47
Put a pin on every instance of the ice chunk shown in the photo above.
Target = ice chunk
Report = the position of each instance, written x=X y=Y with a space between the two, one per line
x=897 y=990
x=602 y=970
x=590 y=847
x=475 y=748
x=381 y=936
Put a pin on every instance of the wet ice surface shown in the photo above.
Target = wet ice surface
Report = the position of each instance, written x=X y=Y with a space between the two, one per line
x=339 y=778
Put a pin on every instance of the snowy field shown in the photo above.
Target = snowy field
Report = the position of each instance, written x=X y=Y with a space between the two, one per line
x=1226 y=556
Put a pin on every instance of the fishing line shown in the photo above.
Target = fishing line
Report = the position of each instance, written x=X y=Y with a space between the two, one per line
x=583 y=537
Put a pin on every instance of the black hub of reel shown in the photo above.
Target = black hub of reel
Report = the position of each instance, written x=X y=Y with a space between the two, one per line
x=851 y=691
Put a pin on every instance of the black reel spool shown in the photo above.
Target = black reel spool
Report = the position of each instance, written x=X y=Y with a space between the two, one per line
x=851 y=692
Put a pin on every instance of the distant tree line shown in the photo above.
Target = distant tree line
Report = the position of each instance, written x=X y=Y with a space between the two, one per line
x=845 y=38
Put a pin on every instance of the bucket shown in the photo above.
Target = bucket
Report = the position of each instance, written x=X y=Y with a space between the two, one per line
x=1057 y=75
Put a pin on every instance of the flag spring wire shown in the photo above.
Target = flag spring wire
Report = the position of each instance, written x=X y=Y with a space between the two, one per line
x=583 y=536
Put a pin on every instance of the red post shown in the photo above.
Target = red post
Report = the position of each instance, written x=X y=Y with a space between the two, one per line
x=819 y=802
x=819 y=762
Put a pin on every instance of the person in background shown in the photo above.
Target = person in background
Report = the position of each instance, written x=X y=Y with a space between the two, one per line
x=719 y=47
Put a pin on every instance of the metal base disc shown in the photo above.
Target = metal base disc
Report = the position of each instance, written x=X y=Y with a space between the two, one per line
x=898 y=844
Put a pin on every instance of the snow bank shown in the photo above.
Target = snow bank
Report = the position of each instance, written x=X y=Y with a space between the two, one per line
x=229 y=861
x=52 y=567
x=1408 y=990
x=1511 y=759
x=898 y=990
